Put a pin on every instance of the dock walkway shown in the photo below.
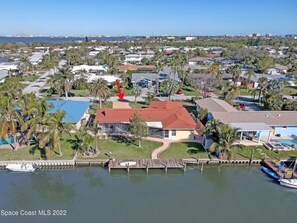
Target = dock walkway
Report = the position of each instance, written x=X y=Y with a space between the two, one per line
x=147 y=164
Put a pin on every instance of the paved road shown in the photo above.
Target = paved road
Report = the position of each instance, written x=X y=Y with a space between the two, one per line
x=250 y=105
x=38 y=84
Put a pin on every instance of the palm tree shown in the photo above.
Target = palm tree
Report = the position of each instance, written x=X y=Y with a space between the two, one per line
x=235 y=70
x=249 y=75
x=171 y=86
x=137 y=92
x=33 y=113
x=99 y=89
x=66 y=80
x=224 y=139
x=158 y=61
x=8 y=119
x=262 y=86
x=52 y=131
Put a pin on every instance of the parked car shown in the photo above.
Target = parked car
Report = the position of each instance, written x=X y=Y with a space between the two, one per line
x=242 y=106
x=180 y=91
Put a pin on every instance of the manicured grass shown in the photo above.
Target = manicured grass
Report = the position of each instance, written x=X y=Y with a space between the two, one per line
x=81 y=93
x=138 y=105
x=245 y=91
x=184 y=150
x=121 y=148
x=188 y=91
x=24 y=153
x=290 y=90
x=30 y=78
x=260 y=152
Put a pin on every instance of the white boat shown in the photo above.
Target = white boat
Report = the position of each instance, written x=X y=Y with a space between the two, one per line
x=292 y=183
x=128 y=163
x=21 y=167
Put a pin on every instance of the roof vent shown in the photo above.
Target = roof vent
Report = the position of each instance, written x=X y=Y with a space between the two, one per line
x=278 y=115
x=266 y=115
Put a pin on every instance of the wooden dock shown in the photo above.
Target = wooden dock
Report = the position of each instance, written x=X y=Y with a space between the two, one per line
x=147 y=164
x=282 y=173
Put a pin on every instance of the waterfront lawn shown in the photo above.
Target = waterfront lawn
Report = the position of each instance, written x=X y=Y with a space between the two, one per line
x=245 y=91
x=184 y=150
x=120 y=148
x=26 y=153
x=260 y=152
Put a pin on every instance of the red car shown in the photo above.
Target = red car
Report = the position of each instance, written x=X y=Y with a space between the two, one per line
x=179 y=92
x=242 y=106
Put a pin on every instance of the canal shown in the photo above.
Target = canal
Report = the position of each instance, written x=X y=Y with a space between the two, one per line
x=220 y=194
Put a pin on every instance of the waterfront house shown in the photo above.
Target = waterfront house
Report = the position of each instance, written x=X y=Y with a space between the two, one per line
x=76 y=112
x=165 y=119
x=3 y=75
x=258 y=125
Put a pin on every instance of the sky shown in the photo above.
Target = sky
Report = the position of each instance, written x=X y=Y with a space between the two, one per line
x=148 y=17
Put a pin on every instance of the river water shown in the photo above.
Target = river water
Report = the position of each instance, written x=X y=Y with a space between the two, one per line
x=219 y=194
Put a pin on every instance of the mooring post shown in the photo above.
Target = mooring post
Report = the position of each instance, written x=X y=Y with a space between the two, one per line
x=201 y=168
x=147 y=168
x=128 y=168
x=166 y=168
x=185 y=167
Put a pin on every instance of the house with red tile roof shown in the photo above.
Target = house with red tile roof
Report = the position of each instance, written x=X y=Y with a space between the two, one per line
x=164 y=119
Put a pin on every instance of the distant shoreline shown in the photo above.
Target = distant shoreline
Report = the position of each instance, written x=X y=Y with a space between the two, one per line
x=5 y=39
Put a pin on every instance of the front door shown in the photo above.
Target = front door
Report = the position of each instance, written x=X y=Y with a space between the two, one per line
x=166 y=133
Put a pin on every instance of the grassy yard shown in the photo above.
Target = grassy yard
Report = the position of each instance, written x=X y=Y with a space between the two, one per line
x=183 y=150
x=259 y=153
x=81 y=93
x=290 y=90
x=245 y=91
x=30 y=78
x=188 y=91
x=120 y=148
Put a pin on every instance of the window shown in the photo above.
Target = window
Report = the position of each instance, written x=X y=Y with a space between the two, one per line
x=166 y=133
x=173 y=132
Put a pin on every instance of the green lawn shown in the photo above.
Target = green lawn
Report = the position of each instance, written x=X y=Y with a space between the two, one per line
x=138 y=105
x=290 y=90
x=81 y=93
x=184 y=150
x=30 y=78
x=119 y=147
x=259 y=153
x=244 y=91
x=188 y=91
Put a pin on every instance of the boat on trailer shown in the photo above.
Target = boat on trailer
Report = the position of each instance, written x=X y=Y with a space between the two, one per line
x=25 y=168
x=270 y=173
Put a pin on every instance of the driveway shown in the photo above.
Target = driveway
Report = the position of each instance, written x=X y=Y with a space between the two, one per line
x=250 y=105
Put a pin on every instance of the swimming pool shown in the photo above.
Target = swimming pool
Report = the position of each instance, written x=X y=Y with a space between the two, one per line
x=6 y=141
x=287 y=142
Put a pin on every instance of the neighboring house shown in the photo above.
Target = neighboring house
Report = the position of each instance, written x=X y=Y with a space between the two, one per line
x=262 y=124
x=3 y=75
x=127 y=67
x=254 y=80
x=165 y=119
x=87 y=68
x=136 y=58
x=36 y=58
x=149 y=79
x=76 y=112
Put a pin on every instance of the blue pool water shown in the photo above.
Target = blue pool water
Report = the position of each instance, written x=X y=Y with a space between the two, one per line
x=287 y=142
x=6 y=141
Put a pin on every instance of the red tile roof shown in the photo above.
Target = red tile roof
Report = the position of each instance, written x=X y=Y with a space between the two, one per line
x=172 y=115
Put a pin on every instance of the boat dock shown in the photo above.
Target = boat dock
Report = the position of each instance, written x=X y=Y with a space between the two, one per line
x=282 y=173
x=147 y=164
